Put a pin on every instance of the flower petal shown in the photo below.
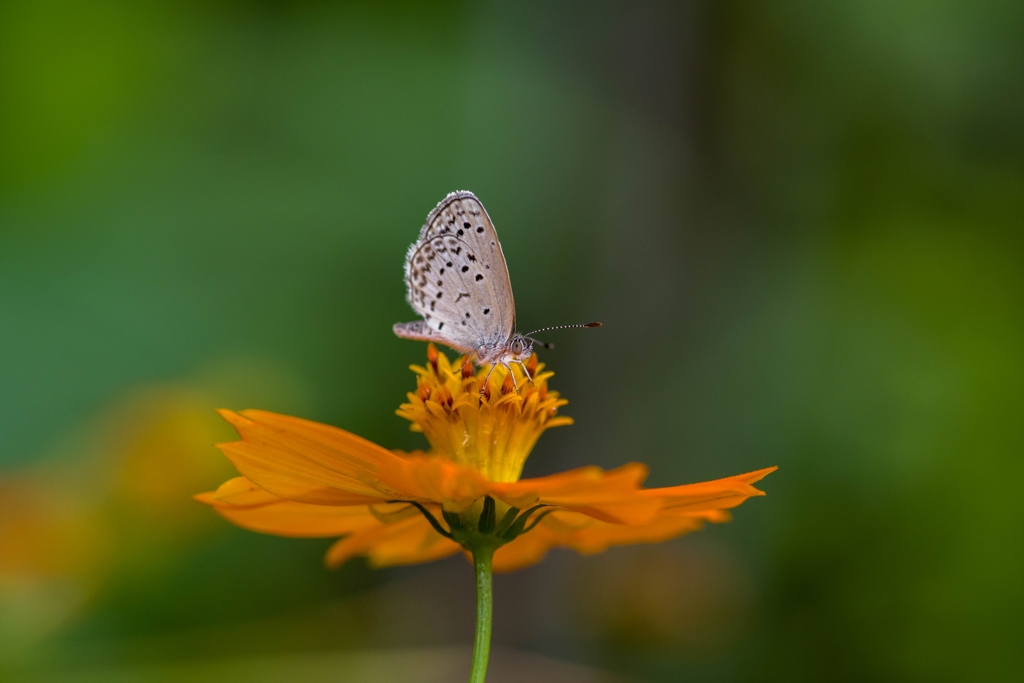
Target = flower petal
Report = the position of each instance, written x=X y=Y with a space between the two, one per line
x=237 y=491
x=399 y=543
x=250 y=507
x=586 y=536
x=719 y=494
x=682 y=509
x=418 y=543
x=526 y=550
x=608 y=496
x=307 y=461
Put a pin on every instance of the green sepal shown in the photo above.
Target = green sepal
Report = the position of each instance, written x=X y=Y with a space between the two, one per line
x=536 y=520
x=453 y=519
x=488 y=533
x=430 y=518
x=519 y=525
x=486 y=524
x=506 y=521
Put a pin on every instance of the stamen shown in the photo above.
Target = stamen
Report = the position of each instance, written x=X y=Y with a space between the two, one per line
x=443 y=396
x=432 y=356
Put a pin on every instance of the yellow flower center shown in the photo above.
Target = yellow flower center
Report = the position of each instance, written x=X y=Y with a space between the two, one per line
x=493 y=432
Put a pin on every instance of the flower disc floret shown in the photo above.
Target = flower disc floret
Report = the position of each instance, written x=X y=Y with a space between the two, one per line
x=490 y=427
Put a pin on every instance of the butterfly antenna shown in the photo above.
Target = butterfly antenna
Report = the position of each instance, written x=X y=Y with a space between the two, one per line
x=547 y=345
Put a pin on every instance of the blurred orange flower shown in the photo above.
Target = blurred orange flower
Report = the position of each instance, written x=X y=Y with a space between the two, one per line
x=307 y=479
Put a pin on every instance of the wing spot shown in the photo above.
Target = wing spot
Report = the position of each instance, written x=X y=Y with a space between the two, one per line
x=440 y=283
x=487 y=311
x=467 y=226
x=467 y=314
x=471 y=257
x=442 y=272
x=439 y=326
x=465 y=268
x=439 y=294
x=479 y=228
x=479 y=277
x=459 y=233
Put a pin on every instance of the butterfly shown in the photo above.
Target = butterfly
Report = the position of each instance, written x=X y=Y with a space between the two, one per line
x=457 y=279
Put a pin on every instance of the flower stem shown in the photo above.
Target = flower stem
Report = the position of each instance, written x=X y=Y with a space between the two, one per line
x=482 y=645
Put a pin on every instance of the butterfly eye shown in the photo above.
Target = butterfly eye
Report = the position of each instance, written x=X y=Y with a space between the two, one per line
x=517 y=346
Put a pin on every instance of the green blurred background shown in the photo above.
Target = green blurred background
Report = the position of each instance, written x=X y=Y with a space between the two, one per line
x=800 y=222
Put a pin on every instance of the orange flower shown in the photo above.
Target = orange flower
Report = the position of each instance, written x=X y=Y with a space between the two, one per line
x=307 y=479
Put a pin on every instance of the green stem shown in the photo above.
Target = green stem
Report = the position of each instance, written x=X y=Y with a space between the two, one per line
x=482 y=645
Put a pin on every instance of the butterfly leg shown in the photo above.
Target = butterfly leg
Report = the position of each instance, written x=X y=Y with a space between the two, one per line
x=469 y=360
x=483 y=385
x=526 y=373
x=513 y=376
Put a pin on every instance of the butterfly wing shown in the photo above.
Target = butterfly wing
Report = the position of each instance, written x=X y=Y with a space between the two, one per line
x=421 y=331
x=457 y=278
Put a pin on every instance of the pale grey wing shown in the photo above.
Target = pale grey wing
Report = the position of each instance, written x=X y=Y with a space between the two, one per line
x=462 y=216
x=421 y=331
x=446 y=285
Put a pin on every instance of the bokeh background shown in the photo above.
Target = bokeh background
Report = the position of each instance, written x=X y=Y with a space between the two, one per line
x=800 y=222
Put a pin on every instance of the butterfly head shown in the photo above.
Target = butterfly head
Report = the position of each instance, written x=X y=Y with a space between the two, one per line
x=520 y=348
